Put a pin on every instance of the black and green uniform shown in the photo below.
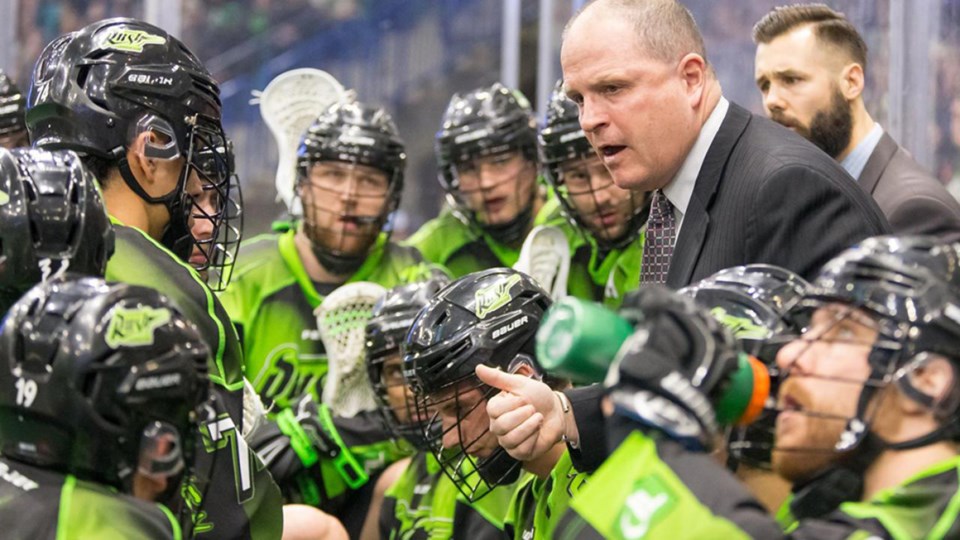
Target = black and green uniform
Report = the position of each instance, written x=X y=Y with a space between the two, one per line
x=600 y=276
x=925 y=506
x=271 y=300
x=654 y=489
x=425 y=504
x=253 y=509
x=38 y=504
x=641 y=491
x=462 y=249
x=538 y=504
x=594 y=275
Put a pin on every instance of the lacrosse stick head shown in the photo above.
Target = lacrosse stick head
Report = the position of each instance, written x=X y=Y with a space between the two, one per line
x=288 y=105
x=545 y=256
x=342 y=320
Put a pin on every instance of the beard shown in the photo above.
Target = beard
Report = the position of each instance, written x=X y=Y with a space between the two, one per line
x=831 y=129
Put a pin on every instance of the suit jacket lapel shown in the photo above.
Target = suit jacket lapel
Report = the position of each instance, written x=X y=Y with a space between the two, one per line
x=697 y=218
x=877 y=163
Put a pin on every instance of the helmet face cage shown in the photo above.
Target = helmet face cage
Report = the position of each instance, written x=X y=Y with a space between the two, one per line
x=611 y=216
x=350 y=176
x=474 y=476
x=94 y=412
x=217 y=213
x=488 y=140
x=489 y=318
x=391 y=320
x=905 y=289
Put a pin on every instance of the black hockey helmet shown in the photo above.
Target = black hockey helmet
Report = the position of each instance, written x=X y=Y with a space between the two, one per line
x=561 y=141
x=486 y=121
x=391 y=320
x=52 y=221
x=907 y=290
x=759 y=303
x=353 y=133
x=96 y=89
x=491 y=318
x=911 y=287
x=100 y=380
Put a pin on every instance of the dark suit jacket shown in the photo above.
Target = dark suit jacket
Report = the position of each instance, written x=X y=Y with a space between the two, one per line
x=913 y=201
x=766 y=195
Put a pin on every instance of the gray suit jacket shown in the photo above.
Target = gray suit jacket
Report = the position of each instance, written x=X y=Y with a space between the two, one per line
x=767 y=195
x=913 y=201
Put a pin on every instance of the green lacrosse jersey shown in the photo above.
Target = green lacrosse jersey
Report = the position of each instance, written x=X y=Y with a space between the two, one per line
x=635 y=494
x=254 y=508
x=925 y=506
x=271 y=300
x=425 y=504
x=462 y=249
x=38 y=504
x=538 y=504
x=597 y=275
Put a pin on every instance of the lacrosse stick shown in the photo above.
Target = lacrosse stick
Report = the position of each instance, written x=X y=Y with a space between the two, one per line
x=342 y=320
x=545 y=256
x=289 y=104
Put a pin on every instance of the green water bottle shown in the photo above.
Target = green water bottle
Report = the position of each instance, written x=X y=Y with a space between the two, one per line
x=578 y=340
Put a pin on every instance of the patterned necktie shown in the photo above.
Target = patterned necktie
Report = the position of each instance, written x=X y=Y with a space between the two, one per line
x=660 y=237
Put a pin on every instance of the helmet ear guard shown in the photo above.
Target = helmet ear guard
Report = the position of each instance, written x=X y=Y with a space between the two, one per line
x=168 y=150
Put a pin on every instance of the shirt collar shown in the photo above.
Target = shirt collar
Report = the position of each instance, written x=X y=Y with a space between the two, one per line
x=857 y=159
x=680 y=189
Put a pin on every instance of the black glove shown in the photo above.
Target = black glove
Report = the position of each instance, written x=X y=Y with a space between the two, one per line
x=674 y=369
x=300 y=445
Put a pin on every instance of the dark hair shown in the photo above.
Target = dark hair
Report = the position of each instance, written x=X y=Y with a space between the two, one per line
x=831 y=27
x=99 y=167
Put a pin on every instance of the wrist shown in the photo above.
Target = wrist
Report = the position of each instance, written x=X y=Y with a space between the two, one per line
x=569 y=434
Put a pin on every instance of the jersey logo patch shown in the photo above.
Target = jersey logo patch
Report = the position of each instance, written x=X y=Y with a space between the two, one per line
x=650 y=501
x=495 y=296
x=742 y=327
x=135 y=327
x=127 y=40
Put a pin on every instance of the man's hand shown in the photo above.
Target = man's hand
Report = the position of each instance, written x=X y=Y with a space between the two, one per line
x=526 y=416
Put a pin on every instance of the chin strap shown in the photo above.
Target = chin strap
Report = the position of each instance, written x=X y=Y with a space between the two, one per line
x=176 y=236
x=843 y=482
x=515 y=230
x=338 y=264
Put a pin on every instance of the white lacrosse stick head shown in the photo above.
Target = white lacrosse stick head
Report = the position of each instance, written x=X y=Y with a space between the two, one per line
x=545 y=256
x=342 y=320
x=288 y=105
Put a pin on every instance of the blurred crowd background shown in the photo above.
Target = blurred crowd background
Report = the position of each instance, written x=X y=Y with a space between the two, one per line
x=412 y=55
